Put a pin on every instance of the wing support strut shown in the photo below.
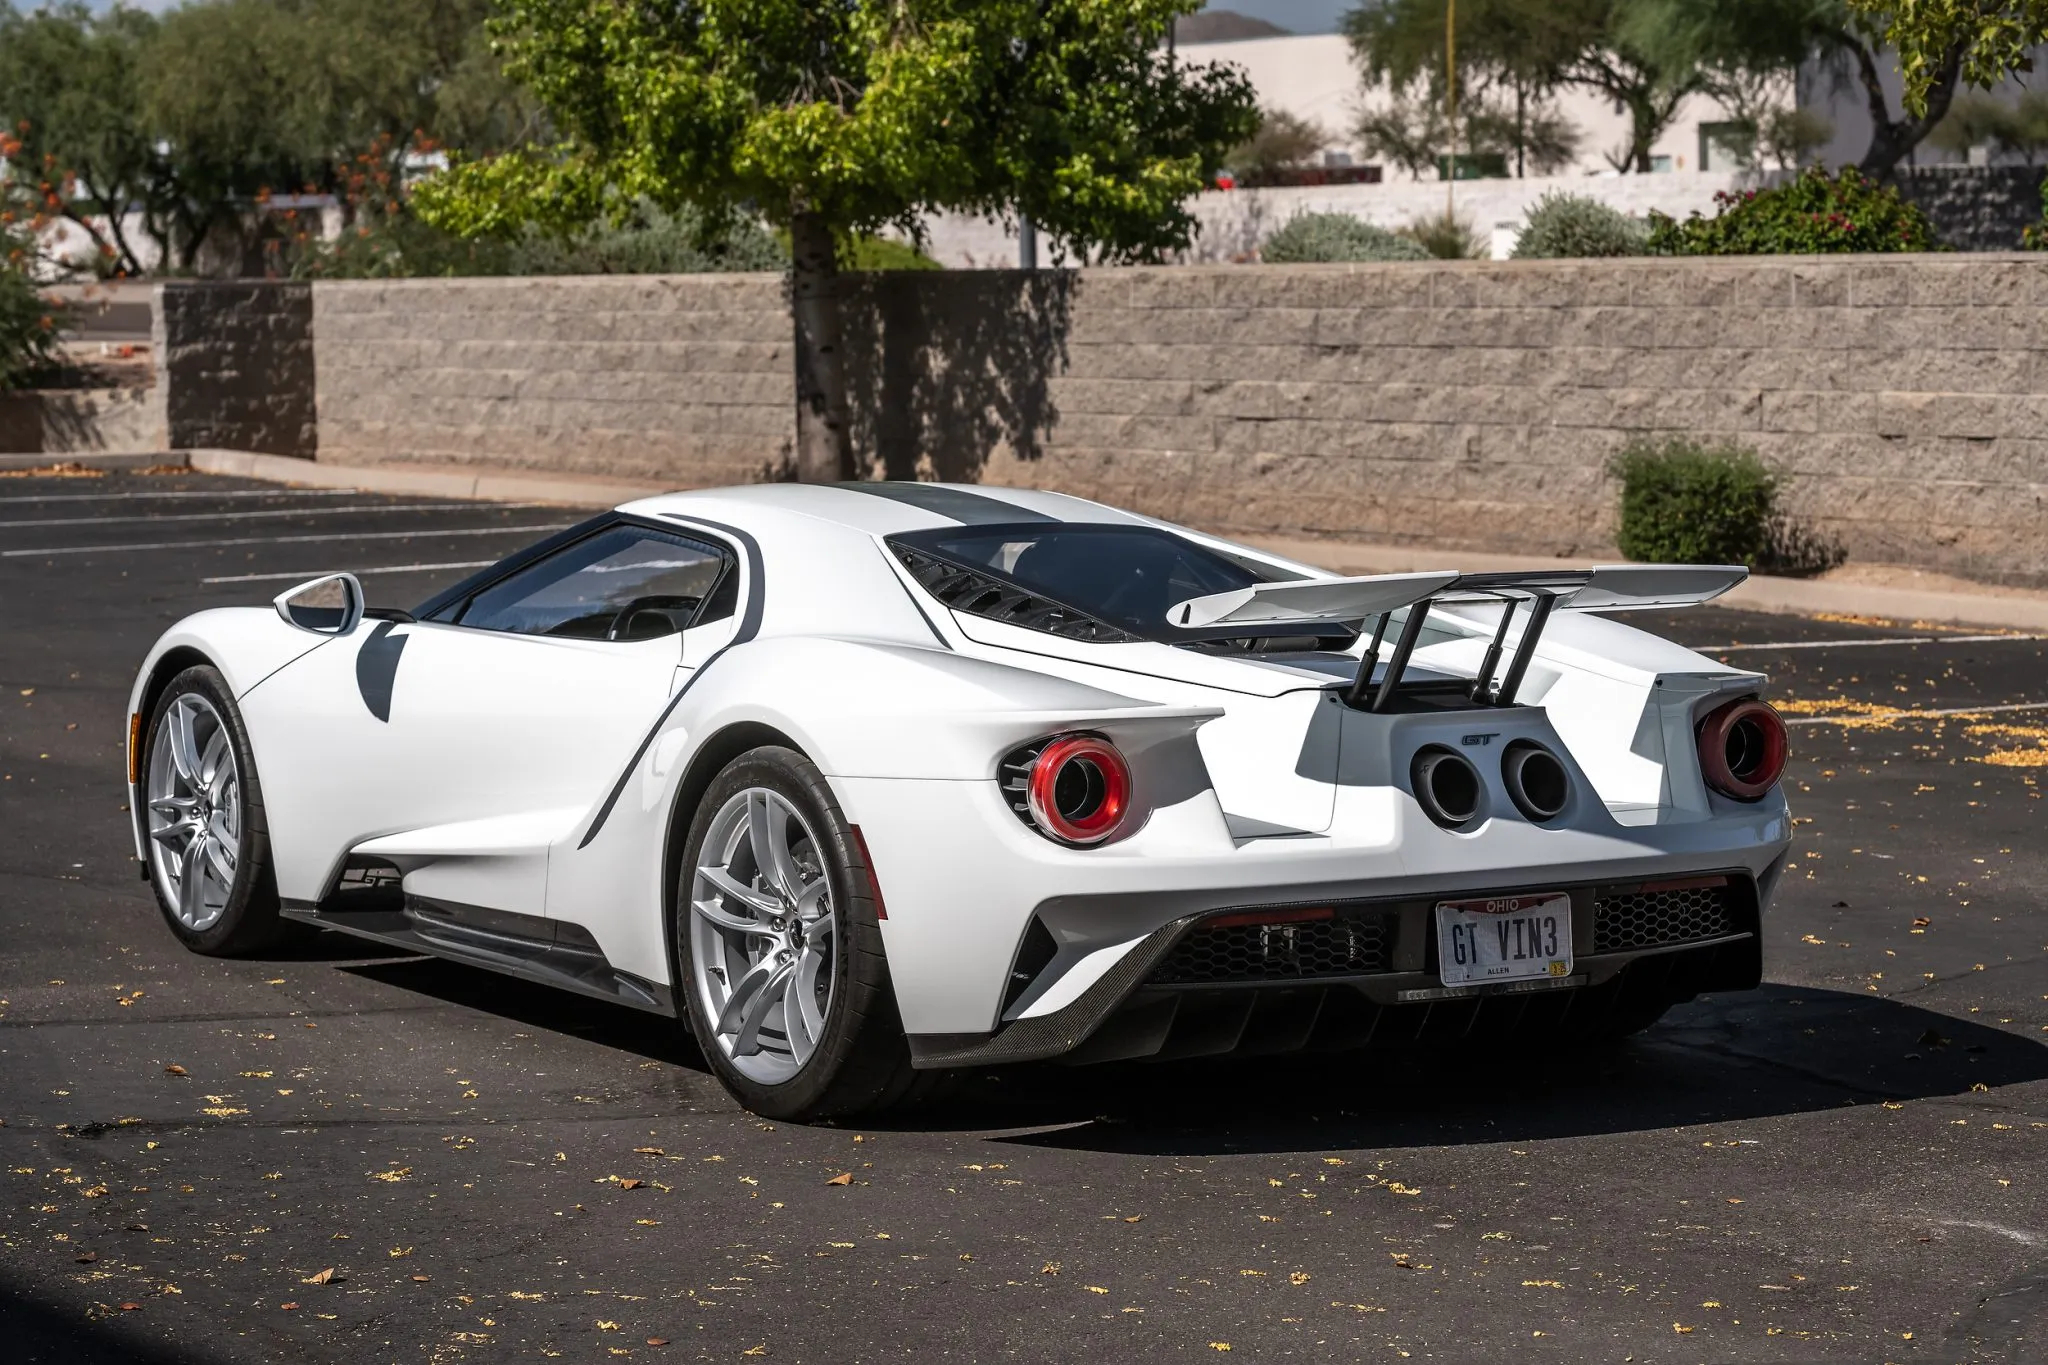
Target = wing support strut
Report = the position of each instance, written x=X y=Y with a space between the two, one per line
x=1354 y=695
x=1542 y=600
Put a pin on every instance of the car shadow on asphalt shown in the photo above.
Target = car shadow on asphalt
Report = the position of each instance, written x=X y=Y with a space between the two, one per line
x=652 y=1037
x=1743 y=1055
x=1754 y=1054
x=39 y=1331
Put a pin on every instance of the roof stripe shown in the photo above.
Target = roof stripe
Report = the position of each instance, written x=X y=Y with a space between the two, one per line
x=969 y=509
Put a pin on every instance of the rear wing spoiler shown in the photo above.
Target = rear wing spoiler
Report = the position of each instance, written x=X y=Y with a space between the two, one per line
x=1607 y=587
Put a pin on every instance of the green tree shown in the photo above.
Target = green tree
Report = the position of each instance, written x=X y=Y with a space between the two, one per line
x=1521 y=50
x=1982 y=41
x=189 y=119
x=1282 y=142
x=2016 y=126
x=252 y=97
x=69 y=90
x=1410 y=130
x=832 y=118
x=1731 y=42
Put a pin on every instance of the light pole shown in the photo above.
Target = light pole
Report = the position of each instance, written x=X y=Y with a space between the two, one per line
x=1451 y=109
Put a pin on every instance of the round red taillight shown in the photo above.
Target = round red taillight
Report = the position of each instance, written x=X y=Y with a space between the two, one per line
x=1079 y=789
x=1742 y=749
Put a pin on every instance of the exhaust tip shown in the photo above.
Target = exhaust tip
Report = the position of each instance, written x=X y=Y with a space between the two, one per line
x=1536 y=779
x=1743 y=749
x=1448 y=787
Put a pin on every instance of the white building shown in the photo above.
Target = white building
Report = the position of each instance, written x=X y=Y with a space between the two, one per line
x=1314 y=78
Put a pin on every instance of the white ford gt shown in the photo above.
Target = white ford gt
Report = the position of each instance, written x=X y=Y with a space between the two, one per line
x=873 y=779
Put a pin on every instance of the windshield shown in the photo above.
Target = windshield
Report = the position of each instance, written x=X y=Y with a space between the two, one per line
x=1124 y=576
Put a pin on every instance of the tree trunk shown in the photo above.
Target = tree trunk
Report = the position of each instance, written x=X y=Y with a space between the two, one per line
x=823 y=453
x=1521 y=132
x=1642 y=132
x=1892 y=140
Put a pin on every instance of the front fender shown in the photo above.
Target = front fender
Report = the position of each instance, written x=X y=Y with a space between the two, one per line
x=246 y=645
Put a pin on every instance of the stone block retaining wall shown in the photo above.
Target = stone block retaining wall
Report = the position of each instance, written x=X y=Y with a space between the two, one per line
x=1461 y=405
x=82 y=421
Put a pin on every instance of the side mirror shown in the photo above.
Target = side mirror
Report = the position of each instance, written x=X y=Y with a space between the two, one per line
x=326 y=606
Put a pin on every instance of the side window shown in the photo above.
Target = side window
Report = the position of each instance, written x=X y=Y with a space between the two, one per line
x=624 y=583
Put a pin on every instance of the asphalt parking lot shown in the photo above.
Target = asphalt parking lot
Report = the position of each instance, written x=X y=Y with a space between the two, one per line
x=340 y=1156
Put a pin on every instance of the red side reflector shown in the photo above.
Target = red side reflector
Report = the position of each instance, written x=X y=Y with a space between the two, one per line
x=1268 y=917
x=874 y=882
x=135 y=748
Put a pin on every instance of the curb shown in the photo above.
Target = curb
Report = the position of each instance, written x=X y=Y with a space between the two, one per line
x=95 y=459
x=490 y=485
x=1781 y=596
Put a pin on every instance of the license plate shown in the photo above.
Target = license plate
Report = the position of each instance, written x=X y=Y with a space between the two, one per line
x=1504 y=938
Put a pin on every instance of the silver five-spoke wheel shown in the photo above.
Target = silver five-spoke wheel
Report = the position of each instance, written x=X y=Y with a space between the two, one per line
x=763 y=935
x=195 y=811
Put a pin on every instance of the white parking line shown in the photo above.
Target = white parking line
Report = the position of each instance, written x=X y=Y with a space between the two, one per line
x=359 y=573
x=183 y=493
x=1887 y=717
x=280 y=540
x=277 y=512
x=1854 y=644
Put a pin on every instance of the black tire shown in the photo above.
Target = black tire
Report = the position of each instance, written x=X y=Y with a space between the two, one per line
x=861 y=1062
x=250 y=923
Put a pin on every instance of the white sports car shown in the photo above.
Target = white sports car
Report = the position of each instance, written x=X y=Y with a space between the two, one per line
x=878 y=779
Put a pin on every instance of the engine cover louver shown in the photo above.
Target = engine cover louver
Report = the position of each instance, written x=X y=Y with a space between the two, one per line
x=980 y=594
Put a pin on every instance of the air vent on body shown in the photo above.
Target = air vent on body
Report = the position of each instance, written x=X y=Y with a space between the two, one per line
x=980 y=594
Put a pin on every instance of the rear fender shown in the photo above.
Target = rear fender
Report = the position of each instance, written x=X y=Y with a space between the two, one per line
x=858 y=710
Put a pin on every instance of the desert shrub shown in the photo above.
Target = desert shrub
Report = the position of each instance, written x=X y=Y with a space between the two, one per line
x=1689 y=502
x=29 y=322
x=1813 y=214
x=650 y=241
x=388 y=242
x=1566 y=225
x=2034 y=237
x=28 y=329
x=1447 y=237
x=1683 y=502
x=875 y=253
x=1311 y=237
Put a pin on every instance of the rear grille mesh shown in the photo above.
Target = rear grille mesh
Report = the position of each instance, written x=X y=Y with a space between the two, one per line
x=1349 y=946
x=1623 y=921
